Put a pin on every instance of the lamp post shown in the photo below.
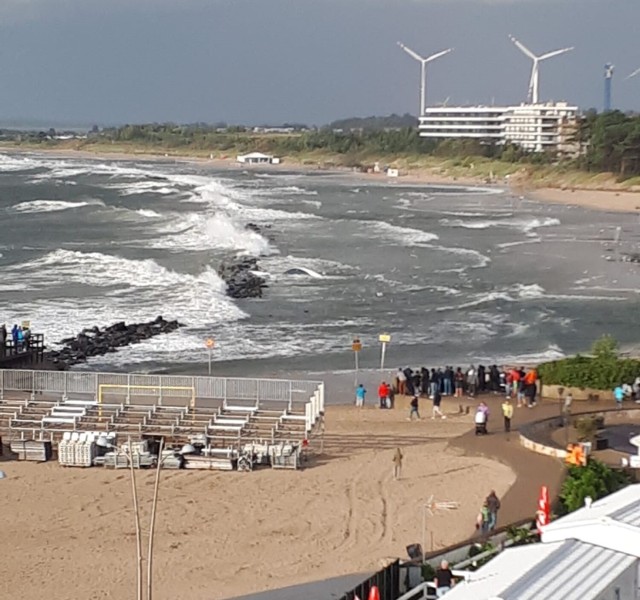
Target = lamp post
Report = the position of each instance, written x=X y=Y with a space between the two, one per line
x=103 y=442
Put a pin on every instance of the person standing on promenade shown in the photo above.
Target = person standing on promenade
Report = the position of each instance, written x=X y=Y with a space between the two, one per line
x=401 y=379
x=443 y=580
x=383 y=394
x=618 y=394
x=493 y=504
x=360 y=396
x=472 y=381
x=414 y=408
x=507 y=413
x=3 y=339
x=459 y=382
x=397 y=464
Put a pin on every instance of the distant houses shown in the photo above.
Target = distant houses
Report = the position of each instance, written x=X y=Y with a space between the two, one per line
x=257 y=158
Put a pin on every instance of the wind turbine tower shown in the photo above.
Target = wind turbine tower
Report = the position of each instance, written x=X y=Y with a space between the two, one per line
x=532 y=96
x=423 y=71
x=608 y=76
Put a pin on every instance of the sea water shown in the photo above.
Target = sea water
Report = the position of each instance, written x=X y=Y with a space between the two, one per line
x=455 y=275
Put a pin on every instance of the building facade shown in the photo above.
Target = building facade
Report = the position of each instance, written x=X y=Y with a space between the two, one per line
x=534 y=127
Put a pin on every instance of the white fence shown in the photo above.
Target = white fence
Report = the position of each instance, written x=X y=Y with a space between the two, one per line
x=163 y=388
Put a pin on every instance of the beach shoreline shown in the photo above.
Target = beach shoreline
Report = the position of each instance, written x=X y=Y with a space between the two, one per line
x=607 y=198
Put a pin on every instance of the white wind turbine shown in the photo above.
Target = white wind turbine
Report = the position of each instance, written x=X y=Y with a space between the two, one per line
x=632 y=74
x=533 y=83
x=423 y=72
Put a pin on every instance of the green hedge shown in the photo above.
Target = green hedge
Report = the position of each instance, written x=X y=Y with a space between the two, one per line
x=586 y=372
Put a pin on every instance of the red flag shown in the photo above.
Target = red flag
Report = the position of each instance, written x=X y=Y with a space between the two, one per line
x=544 y=510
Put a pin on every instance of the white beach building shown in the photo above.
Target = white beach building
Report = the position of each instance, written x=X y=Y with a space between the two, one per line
x=534 y=127
x=591 y=554
x=255 y=158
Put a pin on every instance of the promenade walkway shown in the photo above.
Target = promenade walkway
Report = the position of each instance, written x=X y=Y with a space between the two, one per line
x=532 y=470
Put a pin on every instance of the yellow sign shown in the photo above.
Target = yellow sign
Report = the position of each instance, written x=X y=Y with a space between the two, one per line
x=385 y=338
x=356 y=346
x=210 y=343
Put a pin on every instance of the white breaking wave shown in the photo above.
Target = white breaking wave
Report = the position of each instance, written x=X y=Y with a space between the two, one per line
x=481 y=259
x=403 y=236
x=148 y=213
x=202 y=232
x=524 y=225
x=16 y=163
x=123 y=289
x=39 y=206
x=143 y=187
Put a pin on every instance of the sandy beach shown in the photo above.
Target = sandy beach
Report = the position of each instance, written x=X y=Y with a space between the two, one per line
x=613 y=201
x=220 y=535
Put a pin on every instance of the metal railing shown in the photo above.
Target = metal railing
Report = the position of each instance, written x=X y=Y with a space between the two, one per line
x=162 y=388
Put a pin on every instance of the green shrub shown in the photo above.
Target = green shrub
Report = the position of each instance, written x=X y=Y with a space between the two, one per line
x=602 y=371
x=596 y=480
x=587 y=428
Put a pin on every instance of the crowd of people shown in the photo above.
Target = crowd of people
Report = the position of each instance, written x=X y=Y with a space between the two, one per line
x=16 y=340
x=519 y=383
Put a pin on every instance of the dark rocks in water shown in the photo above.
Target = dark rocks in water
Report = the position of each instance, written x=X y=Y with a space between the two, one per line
x=96 y=342
x=240 y=279
x=632 y=257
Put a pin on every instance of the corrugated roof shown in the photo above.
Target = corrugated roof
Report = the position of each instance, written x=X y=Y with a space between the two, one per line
x=568 y=570
x=562 y=574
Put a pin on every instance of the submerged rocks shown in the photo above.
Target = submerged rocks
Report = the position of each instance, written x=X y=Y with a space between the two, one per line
x=241 y=278
x=96 y=342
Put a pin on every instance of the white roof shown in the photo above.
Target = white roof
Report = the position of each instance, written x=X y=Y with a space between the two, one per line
x=255 y=155
x=622 y=506
x=569 y=570
x=612 y=522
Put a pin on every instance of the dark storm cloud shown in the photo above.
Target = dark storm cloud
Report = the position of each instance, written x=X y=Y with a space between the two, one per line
x=256 y=61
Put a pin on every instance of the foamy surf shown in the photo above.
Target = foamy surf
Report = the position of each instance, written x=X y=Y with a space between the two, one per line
x=43 y=206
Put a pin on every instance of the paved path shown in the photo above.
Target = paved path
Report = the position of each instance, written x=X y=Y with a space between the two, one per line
x=532 y=470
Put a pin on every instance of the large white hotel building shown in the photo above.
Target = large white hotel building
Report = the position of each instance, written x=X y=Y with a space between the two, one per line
x=546 y=127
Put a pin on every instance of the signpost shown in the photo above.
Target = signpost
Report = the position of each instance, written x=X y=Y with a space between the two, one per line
x=384 y=338
x=431 y=506
x=356 y=346
x=210 y=343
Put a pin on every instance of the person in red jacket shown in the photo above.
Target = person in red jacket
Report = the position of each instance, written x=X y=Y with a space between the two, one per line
x=383 y=394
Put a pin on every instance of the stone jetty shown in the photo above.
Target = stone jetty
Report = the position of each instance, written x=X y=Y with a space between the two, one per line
x=97 y=342
x=240 y=278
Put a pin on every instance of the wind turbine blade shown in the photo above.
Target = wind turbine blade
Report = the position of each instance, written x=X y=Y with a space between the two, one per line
x=555 y=53
x=438 y=55
x=410 y=52
x=523 y=48
x=632 y=74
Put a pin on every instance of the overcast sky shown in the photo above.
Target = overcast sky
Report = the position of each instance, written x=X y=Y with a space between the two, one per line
x=311 y=61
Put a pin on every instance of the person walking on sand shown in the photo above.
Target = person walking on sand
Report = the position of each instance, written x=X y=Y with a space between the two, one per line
x=507 y=413
x=437 y=399
x=397 y=464
x=360 y=396
x=493 y=505
x=414 y=408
